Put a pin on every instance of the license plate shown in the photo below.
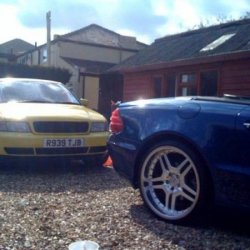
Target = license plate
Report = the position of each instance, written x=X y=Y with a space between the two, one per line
x=63 y=143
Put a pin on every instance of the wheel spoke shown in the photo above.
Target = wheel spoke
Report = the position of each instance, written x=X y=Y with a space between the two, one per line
x=189 y=189
x=183 y=183
x=188 y=197
x=156 y=179
x=167 y=199
x=160 y=178
x=173 y=202
x=182 y=165
x=158 y=187
x=188 y=168
x=164 y=165
x=167 y=161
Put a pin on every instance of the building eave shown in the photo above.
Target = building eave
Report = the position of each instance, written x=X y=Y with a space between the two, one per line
x=99 y=45
x=187 y=62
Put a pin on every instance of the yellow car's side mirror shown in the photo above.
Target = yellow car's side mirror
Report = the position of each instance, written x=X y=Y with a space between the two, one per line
x=84 y=102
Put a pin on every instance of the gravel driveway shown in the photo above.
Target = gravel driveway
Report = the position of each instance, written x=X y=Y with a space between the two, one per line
x=50 y=208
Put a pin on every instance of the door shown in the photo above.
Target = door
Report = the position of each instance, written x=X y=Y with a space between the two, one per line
x=208 y=83
x=238 y=177
x=91 y=91
x=243 y=139
x=171 y=85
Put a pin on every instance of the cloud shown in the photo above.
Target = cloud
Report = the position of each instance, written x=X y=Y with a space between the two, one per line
x=184 y=15
x=144 y=19
x=134 y=15
x=220 y=10
x=64 y=14
x=138 y=16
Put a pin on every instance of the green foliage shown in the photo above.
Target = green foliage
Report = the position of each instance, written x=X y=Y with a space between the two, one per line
x=220 y=19
x=40 y=72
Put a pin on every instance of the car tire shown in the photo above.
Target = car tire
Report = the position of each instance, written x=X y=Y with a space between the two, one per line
x=173 y=182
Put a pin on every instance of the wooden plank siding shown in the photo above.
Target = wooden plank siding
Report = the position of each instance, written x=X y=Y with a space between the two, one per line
x=137 y=86
x=140 y=85
x=235 y=78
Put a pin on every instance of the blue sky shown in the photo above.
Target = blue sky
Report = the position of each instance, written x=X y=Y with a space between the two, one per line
x=147 y=20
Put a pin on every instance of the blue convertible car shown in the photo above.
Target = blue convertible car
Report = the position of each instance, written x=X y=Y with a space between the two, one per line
x=184 y=153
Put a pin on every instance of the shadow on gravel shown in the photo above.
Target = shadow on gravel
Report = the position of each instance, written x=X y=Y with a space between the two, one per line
x=220 y=221
x=49 y=167
x=235 y=221
x=74 y=177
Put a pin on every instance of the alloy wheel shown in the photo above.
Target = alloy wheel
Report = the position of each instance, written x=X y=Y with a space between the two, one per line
x=170 y=183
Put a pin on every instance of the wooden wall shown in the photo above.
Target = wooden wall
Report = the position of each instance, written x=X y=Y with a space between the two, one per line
x=235 y=78
x=137 y=86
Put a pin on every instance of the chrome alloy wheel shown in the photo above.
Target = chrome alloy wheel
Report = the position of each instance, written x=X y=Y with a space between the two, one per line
x=169 y=182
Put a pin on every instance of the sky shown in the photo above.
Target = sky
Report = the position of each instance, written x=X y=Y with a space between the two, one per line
x=146 y=20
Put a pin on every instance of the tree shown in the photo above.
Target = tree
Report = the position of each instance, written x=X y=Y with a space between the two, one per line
x=220 y=20
x=26 y=71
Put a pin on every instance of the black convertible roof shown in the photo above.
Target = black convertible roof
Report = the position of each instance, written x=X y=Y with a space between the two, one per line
x=225 y=98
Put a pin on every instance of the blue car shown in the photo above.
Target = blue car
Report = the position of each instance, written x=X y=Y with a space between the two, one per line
x=185 y=153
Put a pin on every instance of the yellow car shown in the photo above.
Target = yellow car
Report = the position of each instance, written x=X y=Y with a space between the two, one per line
x=43 y=119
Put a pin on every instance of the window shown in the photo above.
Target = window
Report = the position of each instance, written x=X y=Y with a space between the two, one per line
x=188 y=84
x=45 y=55
x=188 y=78
x=217 y=42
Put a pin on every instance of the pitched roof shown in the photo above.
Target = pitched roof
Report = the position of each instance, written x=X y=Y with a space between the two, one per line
x=15 y=47
x=87 y=28
x=81 y=36
x=215 y=40
x=92 y=67
x=127 y=42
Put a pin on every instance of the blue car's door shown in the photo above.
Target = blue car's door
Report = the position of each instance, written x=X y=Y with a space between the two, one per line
x=239 y=183
x=243 y=140
x=233 y=154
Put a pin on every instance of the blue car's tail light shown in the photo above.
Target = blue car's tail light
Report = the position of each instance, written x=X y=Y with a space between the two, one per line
x=116 y=123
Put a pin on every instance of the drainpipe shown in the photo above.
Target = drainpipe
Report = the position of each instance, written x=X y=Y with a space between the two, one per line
x=48 y=19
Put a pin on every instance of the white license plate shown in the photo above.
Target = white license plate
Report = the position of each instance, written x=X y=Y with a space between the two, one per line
x=63 y=143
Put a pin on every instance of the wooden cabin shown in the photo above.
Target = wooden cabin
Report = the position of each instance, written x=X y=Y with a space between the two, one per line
x=209 y=61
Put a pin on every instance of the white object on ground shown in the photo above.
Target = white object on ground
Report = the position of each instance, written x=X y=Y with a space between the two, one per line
x=84 y=245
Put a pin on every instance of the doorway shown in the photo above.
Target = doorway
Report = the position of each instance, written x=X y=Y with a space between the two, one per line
x=209 y=83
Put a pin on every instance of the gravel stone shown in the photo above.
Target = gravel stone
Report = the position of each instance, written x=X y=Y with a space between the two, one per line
x=47 y=208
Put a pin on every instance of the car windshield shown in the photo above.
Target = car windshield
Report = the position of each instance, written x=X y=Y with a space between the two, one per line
x=35 y=91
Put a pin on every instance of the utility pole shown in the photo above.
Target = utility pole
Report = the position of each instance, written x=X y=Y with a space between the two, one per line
x=48 y=20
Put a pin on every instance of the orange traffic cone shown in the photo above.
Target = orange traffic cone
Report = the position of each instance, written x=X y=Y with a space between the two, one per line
x=108 y=163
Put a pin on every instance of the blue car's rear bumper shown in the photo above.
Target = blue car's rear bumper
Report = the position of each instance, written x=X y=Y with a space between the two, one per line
x=119 y=151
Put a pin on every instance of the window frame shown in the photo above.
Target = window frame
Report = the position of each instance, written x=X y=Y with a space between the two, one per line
x=189 y=85
x=194 y=84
